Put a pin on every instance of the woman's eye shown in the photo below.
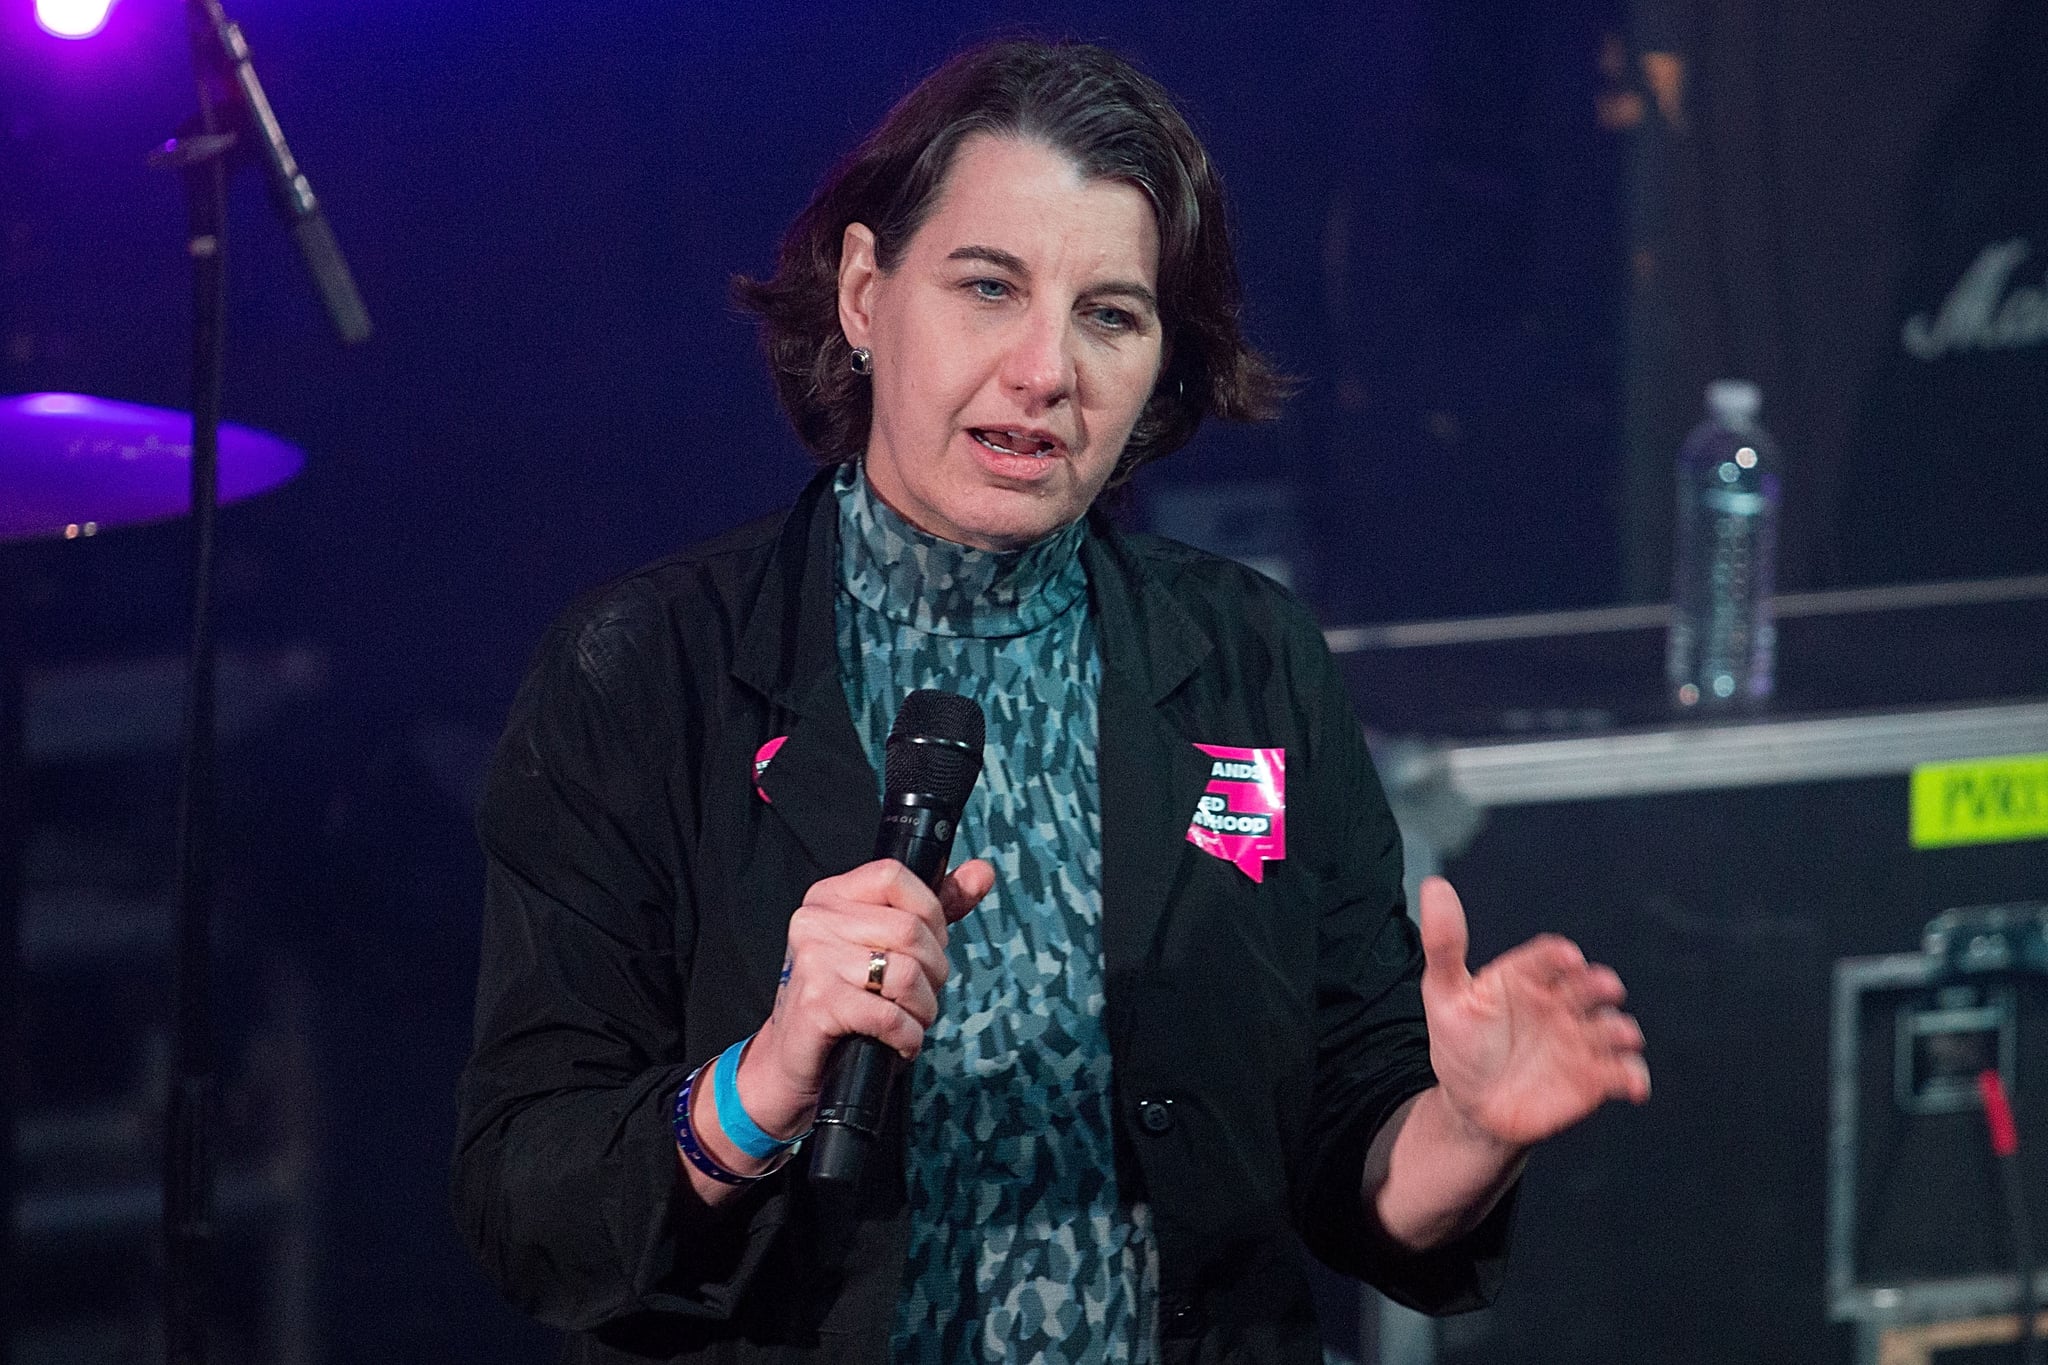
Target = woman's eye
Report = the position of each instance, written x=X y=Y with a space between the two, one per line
x=1114 y=320
x=989 y=289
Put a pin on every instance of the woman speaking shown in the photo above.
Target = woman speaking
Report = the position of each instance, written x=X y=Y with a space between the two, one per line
x=1170 y=1016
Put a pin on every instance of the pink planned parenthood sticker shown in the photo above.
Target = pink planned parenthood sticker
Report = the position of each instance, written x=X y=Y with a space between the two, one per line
x=762 y=756
x=1242 y=816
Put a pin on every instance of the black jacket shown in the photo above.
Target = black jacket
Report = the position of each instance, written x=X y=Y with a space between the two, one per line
x=639 y=887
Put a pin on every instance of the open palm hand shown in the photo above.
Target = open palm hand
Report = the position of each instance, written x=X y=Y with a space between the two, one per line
x=1532 y=1043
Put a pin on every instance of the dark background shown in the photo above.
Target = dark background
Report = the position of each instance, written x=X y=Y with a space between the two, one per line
x=1500 y=254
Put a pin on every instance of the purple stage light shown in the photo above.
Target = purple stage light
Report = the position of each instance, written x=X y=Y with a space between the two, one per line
x=72 y=18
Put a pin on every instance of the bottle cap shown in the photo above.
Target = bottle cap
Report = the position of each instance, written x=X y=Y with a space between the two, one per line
x=1734 y=403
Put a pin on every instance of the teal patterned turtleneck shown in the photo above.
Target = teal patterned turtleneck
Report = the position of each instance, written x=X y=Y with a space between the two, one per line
x=1020 y=1245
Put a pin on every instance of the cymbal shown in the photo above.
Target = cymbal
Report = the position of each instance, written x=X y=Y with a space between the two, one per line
x=74 y=466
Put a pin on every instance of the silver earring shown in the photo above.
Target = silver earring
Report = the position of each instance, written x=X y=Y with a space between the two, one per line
x=863 y=362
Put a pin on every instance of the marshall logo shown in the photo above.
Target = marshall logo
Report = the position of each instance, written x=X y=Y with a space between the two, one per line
x=1980 y=314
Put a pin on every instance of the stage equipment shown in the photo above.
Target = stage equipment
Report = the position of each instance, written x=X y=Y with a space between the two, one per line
x=13 y=863
x=98 y=710
x=1929 y=1212
x=1722 y=869
x=234 y=116
x=75 y=466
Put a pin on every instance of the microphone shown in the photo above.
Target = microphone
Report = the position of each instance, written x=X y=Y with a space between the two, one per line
x=930 y=765
x=288 y=186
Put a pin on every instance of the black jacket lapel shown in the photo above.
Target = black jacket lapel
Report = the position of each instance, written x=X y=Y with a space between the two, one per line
x=820 y=785
x=1152 y=775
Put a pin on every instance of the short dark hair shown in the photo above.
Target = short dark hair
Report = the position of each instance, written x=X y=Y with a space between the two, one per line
x=1114 y=123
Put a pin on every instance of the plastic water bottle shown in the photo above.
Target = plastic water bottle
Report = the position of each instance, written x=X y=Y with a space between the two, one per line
x=1722 y=637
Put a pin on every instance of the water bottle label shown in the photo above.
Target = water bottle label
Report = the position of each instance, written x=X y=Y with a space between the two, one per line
x=1731 y=501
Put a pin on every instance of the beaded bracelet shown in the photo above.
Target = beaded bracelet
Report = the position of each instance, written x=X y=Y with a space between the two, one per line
x=740 y=1128
x=693 y=1151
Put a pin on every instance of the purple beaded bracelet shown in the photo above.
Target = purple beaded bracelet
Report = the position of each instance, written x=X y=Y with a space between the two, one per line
x=693 y=1150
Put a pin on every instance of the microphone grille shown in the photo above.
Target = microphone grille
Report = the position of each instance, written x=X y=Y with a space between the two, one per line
x=935 y=746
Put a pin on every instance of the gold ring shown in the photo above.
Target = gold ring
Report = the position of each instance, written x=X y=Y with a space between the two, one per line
x=878 y=962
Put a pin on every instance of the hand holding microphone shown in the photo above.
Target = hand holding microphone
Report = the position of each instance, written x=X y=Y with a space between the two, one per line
x=867 y=950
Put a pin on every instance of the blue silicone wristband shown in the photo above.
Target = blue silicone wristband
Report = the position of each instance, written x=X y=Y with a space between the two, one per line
x=740 y=1128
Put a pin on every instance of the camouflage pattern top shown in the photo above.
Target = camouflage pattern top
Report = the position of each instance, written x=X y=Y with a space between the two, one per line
x=1021 y=1248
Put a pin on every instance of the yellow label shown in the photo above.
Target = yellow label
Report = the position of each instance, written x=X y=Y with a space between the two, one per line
x=1980 y=801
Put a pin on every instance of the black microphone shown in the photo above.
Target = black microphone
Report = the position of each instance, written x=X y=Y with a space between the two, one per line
x=930 y=765
x=288 y=186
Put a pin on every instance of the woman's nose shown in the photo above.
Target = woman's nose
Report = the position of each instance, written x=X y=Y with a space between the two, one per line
x=1039 y=365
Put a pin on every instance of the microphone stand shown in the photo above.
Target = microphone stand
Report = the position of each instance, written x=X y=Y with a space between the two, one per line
x=227 y=84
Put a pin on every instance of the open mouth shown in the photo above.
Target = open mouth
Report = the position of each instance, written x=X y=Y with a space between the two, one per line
x=1012 y=442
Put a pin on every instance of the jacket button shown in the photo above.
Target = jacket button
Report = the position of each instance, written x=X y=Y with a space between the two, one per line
x=1156 y=1116
x=1177 y=1317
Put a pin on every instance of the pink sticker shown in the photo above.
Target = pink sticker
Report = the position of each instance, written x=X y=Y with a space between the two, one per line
x=1242 y=816
x=761 y=757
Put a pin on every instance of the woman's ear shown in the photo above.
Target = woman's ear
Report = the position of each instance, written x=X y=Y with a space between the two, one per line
x=858 y=272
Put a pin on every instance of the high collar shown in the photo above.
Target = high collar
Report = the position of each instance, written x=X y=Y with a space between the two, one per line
x=788 y=651
x=943 y=588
